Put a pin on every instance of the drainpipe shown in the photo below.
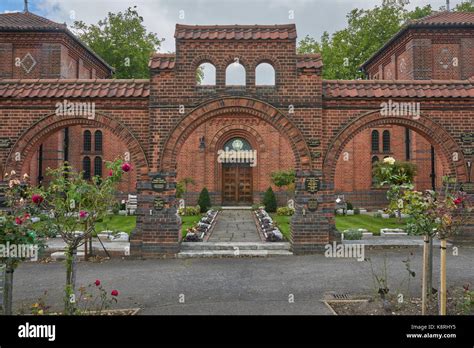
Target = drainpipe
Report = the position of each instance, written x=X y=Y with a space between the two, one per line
x=433 y=169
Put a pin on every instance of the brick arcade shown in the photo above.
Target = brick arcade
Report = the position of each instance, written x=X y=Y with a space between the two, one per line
x=172 y=127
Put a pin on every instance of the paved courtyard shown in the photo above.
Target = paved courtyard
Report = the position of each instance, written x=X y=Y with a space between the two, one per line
x=235 y=226
x=235 y=285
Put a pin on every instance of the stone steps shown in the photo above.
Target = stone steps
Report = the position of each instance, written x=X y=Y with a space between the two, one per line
x=232 y=253
x=234 y=249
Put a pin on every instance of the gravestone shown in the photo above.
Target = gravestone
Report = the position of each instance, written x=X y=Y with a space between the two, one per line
x=2 y=282
x=181 y=204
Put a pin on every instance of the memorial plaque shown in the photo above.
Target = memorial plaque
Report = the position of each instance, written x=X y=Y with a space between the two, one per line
x=158 y=184
x=313 y=204
x=316 y=154
x=158 y=203
x=469 y=151
x=467 y=137
x=5 y=143
x=468 y=187
x=312 y=184
x=314 y=142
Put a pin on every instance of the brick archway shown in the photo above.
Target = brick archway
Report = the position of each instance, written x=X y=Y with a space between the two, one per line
x=39 y=131
x=226 y=106
x=425 y=126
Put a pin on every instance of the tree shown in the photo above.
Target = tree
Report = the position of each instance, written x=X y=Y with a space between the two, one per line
x=204 y=200
x=367 y=31
x=121 y=40
x=284 y=178
x=18 y=238
x=78 y=204
x=182 y=187
x=269 y=201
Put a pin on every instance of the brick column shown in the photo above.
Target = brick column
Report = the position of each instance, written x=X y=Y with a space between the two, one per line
x=312 y=225
x=158 y=231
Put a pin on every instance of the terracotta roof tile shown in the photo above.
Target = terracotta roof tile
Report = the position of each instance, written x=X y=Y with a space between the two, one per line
x=236 y=32
x=162 y=61
x=309 y=61
x=27 y=21
x=398 y=89
x=73 y=88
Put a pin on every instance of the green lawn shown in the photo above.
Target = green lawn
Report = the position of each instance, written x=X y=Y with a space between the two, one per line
x=117 y=223
x=283 y=223
x=188 y=221
x=370 y=223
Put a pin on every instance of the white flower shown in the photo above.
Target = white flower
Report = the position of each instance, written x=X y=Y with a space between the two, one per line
x=13 y=173
x=389 y=160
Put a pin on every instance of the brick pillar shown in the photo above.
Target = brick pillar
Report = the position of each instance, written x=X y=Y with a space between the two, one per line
x=312 y=225
x=158 y=231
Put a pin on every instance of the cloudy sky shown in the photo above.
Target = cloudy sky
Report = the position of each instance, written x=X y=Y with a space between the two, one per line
x=312 y=17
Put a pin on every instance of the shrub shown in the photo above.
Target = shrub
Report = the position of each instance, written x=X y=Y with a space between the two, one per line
x=216 y=208
x=353 y=234
x=190 y=211
x=204 y=200
x=378 y=215
x=356 y=211
x=269 y=201
x=285 y=211
x=349 y=206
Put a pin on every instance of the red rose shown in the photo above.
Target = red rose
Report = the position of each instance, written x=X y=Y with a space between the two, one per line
x=126 y=167
x=458 y=201
x=82 y=214
x=97 y=282
x=114 y=293
x=26 y=216
x=37 y=199
x=111 y=173
x=18 y=221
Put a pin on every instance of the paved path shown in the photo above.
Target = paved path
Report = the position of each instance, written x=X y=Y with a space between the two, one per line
x=235 y=286
x=235 y=226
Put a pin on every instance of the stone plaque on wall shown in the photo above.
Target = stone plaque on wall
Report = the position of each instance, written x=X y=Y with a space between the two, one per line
x=158 y=203
x=314 y=142
x=312 y=184
x=313 y=204
x=467 y=138
x=5 y=143
x=158 y=183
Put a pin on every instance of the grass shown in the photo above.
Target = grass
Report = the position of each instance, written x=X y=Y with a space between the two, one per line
x=188 y=221
x=283 y=223
x=370 y=223
x=117 y=223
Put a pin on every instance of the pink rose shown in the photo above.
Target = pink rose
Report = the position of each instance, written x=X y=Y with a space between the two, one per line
x=37 y=199
x=97 y=282
x=126 y=167
x=83 y=214
x=114 y=293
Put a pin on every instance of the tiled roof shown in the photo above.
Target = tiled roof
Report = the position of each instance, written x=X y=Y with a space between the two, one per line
x=439 y=19
x=398 y=89
x=162 y=61
x=77 y=88
x=27 y=21
x=309 y=61
x=236 y=32
x=447 y=18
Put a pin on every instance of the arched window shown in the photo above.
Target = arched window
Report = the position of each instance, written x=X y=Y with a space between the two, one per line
x=386 y=141
x=86 y=168
x=206 y=75
x=264 y=75
x=98 y=141
x=87 y=141
x=375 y=160
x=235 y=74
x=98 y=166
x=375 y=141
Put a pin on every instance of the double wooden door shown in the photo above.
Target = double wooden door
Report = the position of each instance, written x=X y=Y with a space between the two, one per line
x=236 y=184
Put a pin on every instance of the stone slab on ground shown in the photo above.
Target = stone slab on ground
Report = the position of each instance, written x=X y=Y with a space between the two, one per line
x=235 y=225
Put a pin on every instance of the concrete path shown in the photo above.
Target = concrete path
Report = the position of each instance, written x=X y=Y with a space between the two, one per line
x=235 y=226
x=236 y=286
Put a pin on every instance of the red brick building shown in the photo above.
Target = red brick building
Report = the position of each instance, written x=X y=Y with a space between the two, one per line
x=173 y=127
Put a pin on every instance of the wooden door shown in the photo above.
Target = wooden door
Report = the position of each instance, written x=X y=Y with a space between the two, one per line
x=236 y=185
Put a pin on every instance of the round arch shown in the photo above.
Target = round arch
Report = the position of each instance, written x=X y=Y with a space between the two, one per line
x=431 y=130
x=43 y=128
x=233 y=106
